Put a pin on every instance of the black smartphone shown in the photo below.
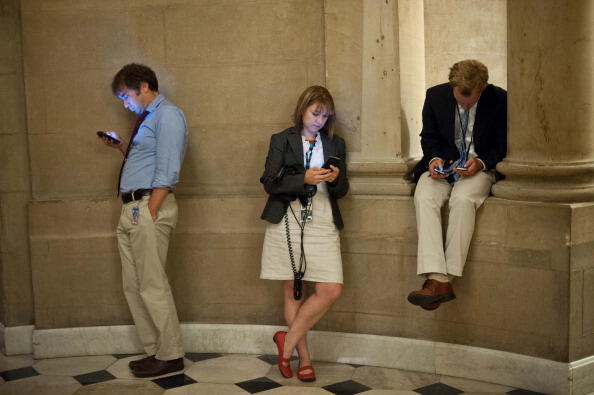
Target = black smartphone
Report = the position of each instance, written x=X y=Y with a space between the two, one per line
x=107 y=136
x=332 y=160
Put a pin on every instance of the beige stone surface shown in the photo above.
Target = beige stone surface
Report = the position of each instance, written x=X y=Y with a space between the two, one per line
x=10 y=47
x=207 y=389
x=15 y=362
x=549 y=44
x=297 y=391
x=72 y=366
x=12 y=101
x=46 y=385
x=344 y=65
x=411 y=48
x=236 y=69
x=16 y=299
x=14 y=162
x=379 y=265
x=381 y=378
x=469 y=386
x=326 y=374
x=128 y=387
x=447 y=42
x=228 y=369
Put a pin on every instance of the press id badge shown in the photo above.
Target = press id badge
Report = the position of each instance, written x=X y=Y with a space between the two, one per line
x=306 y=215
x=135 y=215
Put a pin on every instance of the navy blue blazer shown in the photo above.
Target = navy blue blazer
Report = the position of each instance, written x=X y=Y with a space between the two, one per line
x=286 y=151
x=489 y=131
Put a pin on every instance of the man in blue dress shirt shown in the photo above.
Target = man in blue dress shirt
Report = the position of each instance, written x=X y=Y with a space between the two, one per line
x=152 y=162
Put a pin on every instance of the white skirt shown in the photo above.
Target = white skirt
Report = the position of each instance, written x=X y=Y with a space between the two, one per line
x=321 y=243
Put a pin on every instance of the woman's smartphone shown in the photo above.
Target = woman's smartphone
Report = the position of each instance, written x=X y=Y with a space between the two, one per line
x=332 y=160
x=462 y=168
x=107 y=136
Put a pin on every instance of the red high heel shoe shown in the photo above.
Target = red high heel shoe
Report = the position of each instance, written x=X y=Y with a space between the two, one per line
x=279 y=340
x=306 y=377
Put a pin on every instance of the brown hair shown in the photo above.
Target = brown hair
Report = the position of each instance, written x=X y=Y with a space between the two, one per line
x=132 y=75
x=468 y=75
x=315 y=95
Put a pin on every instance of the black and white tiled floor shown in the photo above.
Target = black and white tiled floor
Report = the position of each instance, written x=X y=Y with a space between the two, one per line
x=216 y=374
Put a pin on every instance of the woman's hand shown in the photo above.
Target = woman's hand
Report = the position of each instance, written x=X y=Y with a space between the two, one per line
x=333 y=174
x=315 y=175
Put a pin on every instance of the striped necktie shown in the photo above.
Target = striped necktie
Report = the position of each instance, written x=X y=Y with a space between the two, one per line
x=139 y=121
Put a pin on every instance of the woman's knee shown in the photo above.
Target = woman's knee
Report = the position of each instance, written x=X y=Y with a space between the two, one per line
x=330 y=291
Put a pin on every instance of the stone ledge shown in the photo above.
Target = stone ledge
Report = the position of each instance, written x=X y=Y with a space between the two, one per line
x=16 y=340
x=475 y=363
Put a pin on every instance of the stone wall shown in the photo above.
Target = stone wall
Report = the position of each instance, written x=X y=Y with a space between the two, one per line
x=237 y=86
x=16 y=297
x=525 y=286
x=466 y=29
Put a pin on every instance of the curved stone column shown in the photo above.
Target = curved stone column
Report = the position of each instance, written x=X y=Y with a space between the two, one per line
x=551 y=92
x=363 y=73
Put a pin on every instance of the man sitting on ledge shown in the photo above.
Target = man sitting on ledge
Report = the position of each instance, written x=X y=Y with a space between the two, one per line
x=464 y=136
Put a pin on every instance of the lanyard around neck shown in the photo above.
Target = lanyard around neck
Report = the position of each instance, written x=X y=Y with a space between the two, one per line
x=309 y=154
x=463 y=131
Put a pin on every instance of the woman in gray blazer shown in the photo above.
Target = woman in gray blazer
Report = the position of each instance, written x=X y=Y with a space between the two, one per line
x=305 y=174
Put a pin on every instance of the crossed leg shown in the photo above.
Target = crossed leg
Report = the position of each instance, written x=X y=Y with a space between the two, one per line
x=302 y=314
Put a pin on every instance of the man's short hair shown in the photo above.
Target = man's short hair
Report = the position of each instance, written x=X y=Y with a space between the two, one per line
x=469 y=75
x=132 y=75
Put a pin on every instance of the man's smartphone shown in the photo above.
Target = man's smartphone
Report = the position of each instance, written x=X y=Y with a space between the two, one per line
x=440 y=170
x=332 y=160
x=107 y=136
x=462 y=168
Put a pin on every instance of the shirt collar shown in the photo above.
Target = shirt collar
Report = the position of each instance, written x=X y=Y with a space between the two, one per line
x=155 y=103
x=318 y=139
x=471 y=109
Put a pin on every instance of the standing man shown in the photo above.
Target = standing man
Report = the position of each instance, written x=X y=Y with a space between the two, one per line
x=464 y=136
x=152 y=162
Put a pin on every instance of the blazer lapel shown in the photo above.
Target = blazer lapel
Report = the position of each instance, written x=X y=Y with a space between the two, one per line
x=450 y=118
x=327 y=146
x=296 y=145
x=482 y=117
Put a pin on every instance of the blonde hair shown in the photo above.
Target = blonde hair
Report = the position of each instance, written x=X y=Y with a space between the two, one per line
x=469 y=75
x=315 y=95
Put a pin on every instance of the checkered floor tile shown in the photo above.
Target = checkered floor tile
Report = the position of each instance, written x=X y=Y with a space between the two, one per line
x=211 y=373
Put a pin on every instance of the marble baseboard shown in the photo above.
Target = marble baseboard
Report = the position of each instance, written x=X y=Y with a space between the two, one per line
x=474 y=363
x=16 y=340
x=582 y=376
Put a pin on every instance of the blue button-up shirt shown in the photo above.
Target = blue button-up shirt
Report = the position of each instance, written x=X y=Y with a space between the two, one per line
x=158 y=149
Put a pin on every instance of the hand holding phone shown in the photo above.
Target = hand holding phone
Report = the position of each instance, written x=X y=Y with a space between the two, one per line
x=111 y=139
x=332 y=160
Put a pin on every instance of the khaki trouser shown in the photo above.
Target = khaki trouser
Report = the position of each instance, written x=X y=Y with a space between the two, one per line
x=465 y=197
x=143 y=251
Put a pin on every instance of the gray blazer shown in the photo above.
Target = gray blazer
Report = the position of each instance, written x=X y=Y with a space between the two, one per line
x=286 y=151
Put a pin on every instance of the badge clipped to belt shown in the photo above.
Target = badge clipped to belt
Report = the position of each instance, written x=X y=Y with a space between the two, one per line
x=135 y=215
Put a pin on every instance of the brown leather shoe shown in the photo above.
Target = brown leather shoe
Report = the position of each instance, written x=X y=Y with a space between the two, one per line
x=136 y=362
x=156 y=367
x=433 y=291
x=430 y=306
